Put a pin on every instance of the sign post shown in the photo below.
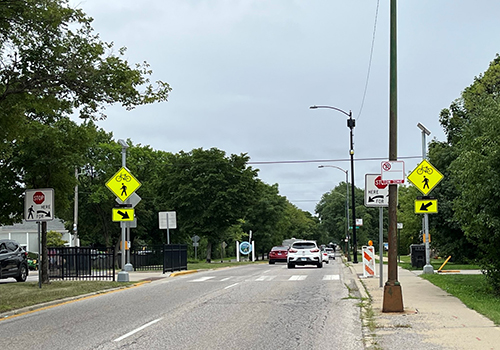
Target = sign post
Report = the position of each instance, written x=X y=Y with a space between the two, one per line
x=425 y=177
x=123 y=185
x=167 y=220
x=377 y=195
x=38 y=207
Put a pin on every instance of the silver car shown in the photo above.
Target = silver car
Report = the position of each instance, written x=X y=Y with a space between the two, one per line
x=304 y=253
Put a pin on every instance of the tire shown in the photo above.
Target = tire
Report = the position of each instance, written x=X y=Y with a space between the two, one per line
x=320 y=265
x=291 y=266
x=271 y=262
x=23 y=274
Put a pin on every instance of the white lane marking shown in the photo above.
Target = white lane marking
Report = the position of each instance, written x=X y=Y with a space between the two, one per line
x=202 y=279
x=225 y=279
x=232 y=285
x=138 y=329
x=297 y=278
x=266 y=271
x=265 y=278
x=331 y=278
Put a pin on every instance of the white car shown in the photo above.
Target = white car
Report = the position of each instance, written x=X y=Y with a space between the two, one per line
x=325 y=256
x=331 y=252
x=304 y=253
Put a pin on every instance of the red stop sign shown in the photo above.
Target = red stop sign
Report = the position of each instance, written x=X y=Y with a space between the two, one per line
x=379 y=183
x=38 y=197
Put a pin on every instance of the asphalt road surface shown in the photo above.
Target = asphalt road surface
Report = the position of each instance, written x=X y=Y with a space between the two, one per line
x=249 y=307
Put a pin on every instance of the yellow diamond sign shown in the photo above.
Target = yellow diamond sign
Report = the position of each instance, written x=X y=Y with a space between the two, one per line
x=123 y=184
x=425 y=177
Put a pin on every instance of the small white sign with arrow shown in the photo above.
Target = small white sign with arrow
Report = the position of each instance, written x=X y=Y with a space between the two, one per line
x=376 y=191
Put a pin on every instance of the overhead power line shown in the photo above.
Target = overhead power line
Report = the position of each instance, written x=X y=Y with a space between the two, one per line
x=326 y=160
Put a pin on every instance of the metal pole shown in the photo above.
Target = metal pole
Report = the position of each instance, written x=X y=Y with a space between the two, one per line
x=428 y=267
x=75 y=213
x=350 y=124
x=39 y=256
x=347 y=215
x=124 y=230
x=393 y=297
x=381 y=244
x=123 y=275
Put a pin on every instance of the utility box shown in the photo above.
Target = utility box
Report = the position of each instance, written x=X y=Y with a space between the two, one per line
x=417 y=255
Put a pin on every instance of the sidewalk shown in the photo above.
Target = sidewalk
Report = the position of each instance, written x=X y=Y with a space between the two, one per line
x=432 y=318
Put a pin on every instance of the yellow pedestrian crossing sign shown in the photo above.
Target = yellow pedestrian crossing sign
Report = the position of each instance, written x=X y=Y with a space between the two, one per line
x=425 y=177
x=123 y=184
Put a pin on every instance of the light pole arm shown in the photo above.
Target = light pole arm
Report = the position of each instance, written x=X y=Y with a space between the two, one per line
x=335 y=108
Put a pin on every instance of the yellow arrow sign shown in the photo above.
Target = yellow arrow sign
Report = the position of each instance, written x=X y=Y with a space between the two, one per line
x=425 y=177
x=426 y=206
x=123 y=184
x=123 y=214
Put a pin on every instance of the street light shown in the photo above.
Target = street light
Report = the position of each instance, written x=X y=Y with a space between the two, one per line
x=350 y=124
x=346 y=206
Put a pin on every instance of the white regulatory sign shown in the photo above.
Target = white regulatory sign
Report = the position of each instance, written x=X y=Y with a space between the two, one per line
x=376 y=191
x=39 y=205
x=393 y=172
x=167 y=220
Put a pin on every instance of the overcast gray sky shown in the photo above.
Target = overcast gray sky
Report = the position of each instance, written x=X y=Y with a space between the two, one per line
x=244 y=73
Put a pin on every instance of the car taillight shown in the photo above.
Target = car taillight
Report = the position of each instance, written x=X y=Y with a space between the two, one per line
x=314 y=250
x=292 y=251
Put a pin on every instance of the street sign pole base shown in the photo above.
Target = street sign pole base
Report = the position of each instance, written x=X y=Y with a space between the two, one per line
x=128 y=267
x=393 y=299
x=123 y=276
x=428 y=269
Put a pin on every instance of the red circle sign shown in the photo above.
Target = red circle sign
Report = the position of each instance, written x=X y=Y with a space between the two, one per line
x=379 y=183
x=38 y=197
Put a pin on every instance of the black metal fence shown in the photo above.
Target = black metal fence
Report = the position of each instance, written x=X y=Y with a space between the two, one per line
x=147 y=258
x=174 y=257
x=81 y=263
x=166 y=258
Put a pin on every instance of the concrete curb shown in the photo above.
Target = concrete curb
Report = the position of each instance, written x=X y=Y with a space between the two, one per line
x=180 y=273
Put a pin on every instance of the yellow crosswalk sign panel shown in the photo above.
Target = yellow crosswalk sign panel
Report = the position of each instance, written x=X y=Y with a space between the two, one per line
x=123 y=214
x=426 y=206
x=123 y=184
x=425 y=177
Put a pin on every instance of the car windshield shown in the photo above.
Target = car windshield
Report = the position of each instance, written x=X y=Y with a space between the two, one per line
x=279 y=248
x=329 y=249
x=304 y=245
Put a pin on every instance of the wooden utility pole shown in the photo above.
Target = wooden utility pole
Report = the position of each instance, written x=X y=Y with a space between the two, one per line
x=393 y=296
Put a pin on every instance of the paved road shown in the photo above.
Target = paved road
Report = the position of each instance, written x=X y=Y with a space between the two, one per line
x=254 y=306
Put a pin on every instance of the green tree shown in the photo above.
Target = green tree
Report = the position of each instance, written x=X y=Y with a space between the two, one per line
x=54 y=239
x=471 y=125
x=45 y=158
x=331 y=210
x=209 y=191
x=263 y=217
x=53 y=63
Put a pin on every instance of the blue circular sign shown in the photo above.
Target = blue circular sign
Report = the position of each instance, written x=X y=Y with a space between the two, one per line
x=245 y=248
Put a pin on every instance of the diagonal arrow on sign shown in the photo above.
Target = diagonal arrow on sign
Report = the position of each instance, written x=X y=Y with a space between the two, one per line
x=425 y=206
x=124 y=215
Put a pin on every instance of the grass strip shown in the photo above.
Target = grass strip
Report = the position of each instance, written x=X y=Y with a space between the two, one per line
x=473 y=290
x=18 y=295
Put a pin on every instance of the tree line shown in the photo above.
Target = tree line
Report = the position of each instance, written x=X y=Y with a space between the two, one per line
x=53 y=65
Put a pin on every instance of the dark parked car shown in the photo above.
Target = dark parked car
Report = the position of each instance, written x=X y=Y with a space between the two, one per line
x=278 y=254
x=13 y=260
